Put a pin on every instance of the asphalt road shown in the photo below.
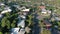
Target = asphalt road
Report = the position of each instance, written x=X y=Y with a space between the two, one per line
x=36 y=28
x=54 y=31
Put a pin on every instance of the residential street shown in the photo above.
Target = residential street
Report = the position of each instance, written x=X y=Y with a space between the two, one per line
x=54 y=31
x=36 y=28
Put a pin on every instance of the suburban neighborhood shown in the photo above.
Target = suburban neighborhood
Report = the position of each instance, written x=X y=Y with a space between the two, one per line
x=29 y=16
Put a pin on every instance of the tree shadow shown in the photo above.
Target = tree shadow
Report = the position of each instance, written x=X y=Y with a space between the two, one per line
x=36 y=28
x=54 y=31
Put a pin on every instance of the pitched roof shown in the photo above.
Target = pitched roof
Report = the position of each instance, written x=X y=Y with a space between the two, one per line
x=4 y=11
x=47 y=23
x=57 y=18
x=21 y=23
x=27 y=29
x=14 y=30
x=2 y=4
x=42 y=7
x=22 y=31
x=1 y=15
x=26 y=10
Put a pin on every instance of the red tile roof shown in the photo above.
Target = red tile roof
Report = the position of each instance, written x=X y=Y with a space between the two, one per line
x=42 y=7
x=47 y=23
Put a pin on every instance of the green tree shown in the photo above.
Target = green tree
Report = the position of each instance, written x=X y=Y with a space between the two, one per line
x=7 y=15
x=6 y=33
x=1 y=33
x=3 y=22
x=8 y=24
x=58 y=25
x=13 y=24
x=41 y=25
x=45 y=31
x=29 y=20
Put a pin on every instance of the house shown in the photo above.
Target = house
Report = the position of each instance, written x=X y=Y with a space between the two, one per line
x=22 y=31
x=44 y=11
x=21 y=21
x=27 y=29
x=2 y=4
x=47 y=24
x=43 y=3
x=57 y=18
x=16 y=6
x=25 y=10
x=17 y=31
x=48 y=11
x=22 y=16
x=58 y=32
x=56 y=26
x=6 y=10
x=14 y=30
x=23 y=7
x=42 y=7
x=19 y=7
x=25 y=14
x=1 y=15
